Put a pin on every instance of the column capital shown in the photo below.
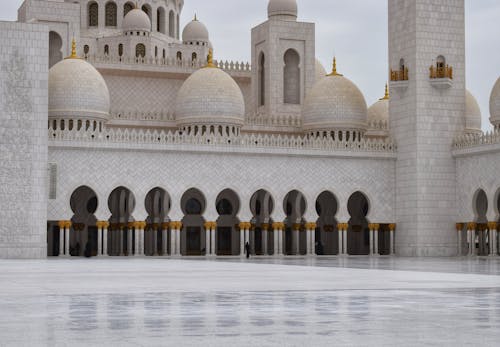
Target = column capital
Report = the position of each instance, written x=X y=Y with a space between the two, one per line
x=165 y=225
x=176 y=225
x=61 y=224
x=493 y=225
x=392 y=226
x=278 y=226
x=311 y=226
x=265 y=226
x=459 y=226
x=210 y=225
x=296 y=226
x=131 y=225
x=471 y=226
x=342 y=226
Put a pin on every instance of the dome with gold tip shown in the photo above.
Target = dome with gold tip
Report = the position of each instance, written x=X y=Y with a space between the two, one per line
x=77 y=90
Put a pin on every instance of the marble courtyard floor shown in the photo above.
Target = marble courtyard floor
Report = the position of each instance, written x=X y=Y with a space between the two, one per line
x=261 y=302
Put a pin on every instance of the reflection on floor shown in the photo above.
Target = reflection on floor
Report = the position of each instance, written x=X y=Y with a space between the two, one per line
x=232 y=302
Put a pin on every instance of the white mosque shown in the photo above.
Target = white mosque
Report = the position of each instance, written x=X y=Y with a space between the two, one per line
x=122 y=136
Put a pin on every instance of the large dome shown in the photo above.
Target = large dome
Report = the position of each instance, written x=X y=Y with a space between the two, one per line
x=286 y=8
x=195 y=31
x=473 y=119
x=210 y=97
x=136 y=20
x=77 y=90
x=319 y=70
x=334 y=103
x=495 y=105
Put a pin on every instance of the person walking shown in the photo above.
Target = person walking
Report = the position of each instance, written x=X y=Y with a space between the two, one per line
x=247 y=249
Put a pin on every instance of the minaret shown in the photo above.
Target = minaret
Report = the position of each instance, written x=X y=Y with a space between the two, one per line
x=283 y=61
x=426 y=113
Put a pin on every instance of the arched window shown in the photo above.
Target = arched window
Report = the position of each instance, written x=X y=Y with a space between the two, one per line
x=194 y=56
x=402 y=65
x=86 y=49
x=291 y=80
x=171 y=24
x=93 y=14
x=111 y=11
x=179 y=56
x=156 y=51
x=164 y=54
x=262 y=80
x=177 y=26
x=160 y=20
x=127 y=8
x=140 y=50
x=55 y=48
x=106 y=49
x=147 y=9
x=440 y=62
x=120 y=49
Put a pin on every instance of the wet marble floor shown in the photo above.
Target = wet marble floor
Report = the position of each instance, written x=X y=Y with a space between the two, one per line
x=261 y=302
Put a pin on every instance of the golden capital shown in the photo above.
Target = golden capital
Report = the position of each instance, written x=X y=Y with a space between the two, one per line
x=296 y=226
x=165 y=225
x=493 y=225
x=265 y=226
x=459 y=226
x=68 y=224
x=472 y=226
x=61 y=224
x=311 y=226
x=392 y=227
x=278 y=226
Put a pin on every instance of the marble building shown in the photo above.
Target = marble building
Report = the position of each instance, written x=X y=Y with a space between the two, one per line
x=123 y=136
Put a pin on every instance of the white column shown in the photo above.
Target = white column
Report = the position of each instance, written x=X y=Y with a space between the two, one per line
x=472 y=228
x=242 y=239
x=66 y=238
x=296 y=239
x=375 y=234
x=281 y=241
x=346 y=226
x=130 y=246
x=247 y=236
x=62 y=225
x=105 y=239
x=137 y=243
x=164 y=238
x=392 y=231
x=275 y=239
x=469 y=241
x=493 y=238
x=178 y=240
x=212 y=239
x=308 y=240
x=313 y=239
x=173 y=241
x=207 y=239
x=264 y=240
x=370 y=226
x=99 y=239
x=341 y=242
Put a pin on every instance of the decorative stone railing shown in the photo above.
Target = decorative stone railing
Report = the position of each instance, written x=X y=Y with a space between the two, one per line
x=161 y=137
x=476 y=140
x=186 y=64
x=382 y=125
x=144 y=116
x=274 y=121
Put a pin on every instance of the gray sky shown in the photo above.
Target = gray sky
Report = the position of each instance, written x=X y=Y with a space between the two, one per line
x=354 y=30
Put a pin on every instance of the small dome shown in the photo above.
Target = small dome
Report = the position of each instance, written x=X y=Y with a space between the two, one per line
x=495 y=105
x=379 y=111
x=320 y=71
x=210 y=97
x=334 y=103
x=286 y=8
x=77 y=90
x=136 y=20
x=473 y=118
x=195 y=31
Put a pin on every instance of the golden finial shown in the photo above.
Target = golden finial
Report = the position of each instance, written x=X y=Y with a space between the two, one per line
x=334 y=69
x=210 y=58
x=387 y=96
x=73 y=51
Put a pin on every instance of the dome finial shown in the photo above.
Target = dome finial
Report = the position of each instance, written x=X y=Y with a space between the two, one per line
x=334 y=68
x=73 y=51
x=210 y=58
x=387 y=96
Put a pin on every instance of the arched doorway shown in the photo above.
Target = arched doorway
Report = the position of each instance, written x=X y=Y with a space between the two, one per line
x=121 y=204
x=326 y=230
x=157 y=205
x=291 y=77
x=227 y=237
x=160 y=20
x=193 y=204
x=358 y=234
x=481 y=240
x=261 y=237
x=83 y=203
x=294 y=206
x=55 y=48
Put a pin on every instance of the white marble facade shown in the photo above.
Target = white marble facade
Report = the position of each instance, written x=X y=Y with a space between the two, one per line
x=156 y=162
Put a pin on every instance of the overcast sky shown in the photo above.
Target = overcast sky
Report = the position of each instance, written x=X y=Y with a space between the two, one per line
x=354 y=30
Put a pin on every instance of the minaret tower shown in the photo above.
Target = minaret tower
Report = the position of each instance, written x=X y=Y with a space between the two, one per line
x=427 y=106
x=283 y=61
